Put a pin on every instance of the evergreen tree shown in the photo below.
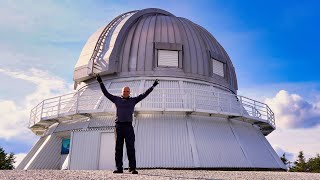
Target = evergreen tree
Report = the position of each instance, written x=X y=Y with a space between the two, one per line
x=284 y=159
x=300 y=164
x=6 y=160
x=313 y=165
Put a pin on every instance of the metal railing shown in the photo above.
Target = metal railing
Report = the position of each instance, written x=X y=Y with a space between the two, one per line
x=99 y=45
x=165 y=99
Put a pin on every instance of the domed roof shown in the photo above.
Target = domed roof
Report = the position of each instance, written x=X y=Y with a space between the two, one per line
x=128 y=46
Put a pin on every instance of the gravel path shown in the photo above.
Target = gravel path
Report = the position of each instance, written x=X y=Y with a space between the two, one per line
x=154 y=174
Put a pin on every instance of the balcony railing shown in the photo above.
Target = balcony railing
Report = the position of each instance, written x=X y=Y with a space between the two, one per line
x=165 y=99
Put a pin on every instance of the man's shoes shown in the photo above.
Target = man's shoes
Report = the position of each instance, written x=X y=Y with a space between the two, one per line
x=133 y=171
x=117 y=171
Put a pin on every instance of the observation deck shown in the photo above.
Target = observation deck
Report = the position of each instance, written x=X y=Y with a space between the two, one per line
x=90 y=101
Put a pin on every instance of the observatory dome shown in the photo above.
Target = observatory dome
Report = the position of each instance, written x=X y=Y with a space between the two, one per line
x=155 y=43
x=194 y=118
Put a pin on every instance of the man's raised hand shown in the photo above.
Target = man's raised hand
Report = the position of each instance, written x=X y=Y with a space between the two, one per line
x=156 y=82
x=98 y=78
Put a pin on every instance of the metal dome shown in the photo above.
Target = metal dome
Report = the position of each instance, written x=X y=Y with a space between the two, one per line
x=127 y=47
x=192 y=119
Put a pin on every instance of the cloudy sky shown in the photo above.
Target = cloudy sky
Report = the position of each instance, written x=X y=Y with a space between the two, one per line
x=274 y=46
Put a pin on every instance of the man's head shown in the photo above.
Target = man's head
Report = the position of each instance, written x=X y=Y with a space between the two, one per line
x=125 y=92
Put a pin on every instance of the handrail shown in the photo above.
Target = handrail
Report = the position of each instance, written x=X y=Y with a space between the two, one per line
x=164 y=99
x=101 y=38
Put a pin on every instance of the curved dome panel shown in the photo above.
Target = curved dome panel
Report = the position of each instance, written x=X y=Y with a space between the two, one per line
x=130 y=48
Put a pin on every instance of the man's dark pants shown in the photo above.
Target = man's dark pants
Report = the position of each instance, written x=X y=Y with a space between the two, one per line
x=124 y=131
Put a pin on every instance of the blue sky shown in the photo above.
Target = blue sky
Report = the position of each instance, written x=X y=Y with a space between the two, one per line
x=274 y=46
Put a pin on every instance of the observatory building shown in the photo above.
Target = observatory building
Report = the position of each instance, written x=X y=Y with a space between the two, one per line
x=193 y=119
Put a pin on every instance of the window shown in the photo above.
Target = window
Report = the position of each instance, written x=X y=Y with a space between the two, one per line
x=217 y=67
x=65 y=146
x=168 y=58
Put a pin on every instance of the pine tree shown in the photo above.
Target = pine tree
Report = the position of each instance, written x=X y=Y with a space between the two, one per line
x=6 y=160
x=313 y=165
x=300 y=164
x=284 y=159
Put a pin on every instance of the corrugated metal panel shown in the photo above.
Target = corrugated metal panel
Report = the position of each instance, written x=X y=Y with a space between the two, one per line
x=271 y=150
x=216 y=144
x=31 y=153
x=101 y=121
x=63 y=161
x=168 y=58
x=67 y=126
x=257 y=152
x=162 y=141
x=217 y=67
x=48 y=155
x=84 y=150
x=51 y=129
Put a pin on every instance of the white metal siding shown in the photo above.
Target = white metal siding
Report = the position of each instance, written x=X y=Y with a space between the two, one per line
x=257 y=152
x=63 y=160
x=217 y=67
x=65 y=163
x=101 y=121
x=168 y=58
x=216 y=144
x=271 y=150
x=48 y=155
x=67 y=126
x=85 y=150
x=33 y=150
x=162 y=141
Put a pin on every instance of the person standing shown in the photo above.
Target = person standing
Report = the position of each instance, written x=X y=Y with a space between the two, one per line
x=123 y=123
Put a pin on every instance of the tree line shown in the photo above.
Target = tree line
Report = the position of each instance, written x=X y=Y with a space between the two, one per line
x=7 y=161
x=301 y=164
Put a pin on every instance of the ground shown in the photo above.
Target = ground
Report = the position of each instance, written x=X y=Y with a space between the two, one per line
x=157 y=174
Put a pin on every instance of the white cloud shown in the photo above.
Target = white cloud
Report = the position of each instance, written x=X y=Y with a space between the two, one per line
x=297 y=116
x=292 y=141
x=292 y=111
x=15 y=118
x=19 y=158
x=280 y=151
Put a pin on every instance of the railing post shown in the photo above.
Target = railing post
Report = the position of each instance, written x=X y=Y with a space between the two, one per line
x=41 y=111
x=163 y=106
x=77 y=102
x=59 y=103
x=194 y=100
x=255 y=109
x=267 y=113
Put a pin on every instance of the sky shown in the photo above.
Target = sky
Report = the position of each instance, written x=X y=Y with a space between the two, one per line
x=274 y=46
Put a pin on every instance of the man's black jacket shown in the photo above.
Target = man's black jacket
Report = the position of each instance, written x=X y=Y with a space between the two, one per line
x=125 y=106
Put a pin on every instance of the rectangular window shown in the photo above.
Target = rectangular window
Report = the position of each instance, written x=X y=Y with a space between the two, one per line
x=217 y=67
x=168 y=58
x=65 y=146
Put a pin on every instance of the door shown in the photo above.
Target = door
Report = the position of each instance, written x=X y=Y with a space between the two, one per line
x=107 y=146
